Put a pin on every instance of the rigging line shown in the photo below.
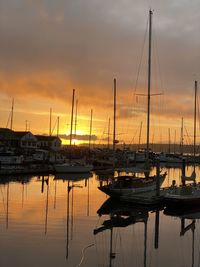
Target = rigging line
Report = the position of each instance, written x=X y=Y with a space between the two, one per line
x=8 y=120
x=101 y=138
x=137 y=76
x=189 y=143
x=141 y=56
x=54 y=127
x=83 y=253
x=132 y=140
x=158 y=61
x=140 y=60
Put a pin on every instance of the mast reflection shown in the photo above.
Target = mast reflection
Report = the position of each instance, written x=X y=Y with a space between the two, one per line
x=122 y=215
x=71 y=180
x=185 y=214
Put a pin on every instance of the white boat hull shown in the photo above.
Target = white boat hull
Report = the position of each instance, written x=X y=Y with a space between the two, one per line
x=116 y=191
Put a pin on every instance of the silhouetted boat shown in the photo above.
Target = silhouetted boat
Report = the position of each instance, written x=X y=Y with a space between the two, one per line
x=186 y=194
x=128 y=185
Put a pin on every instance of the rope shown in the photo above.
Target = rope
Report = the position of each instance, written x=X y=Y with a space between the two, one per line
x=83 y=253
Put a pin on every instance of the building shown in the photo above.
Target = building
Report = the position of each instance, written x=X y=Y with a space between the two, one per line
x=26 y=140
x=48 y=142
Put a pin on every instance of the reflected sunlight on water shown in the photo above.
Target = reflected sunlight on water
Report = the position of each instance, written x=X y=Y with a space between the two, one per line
x=53 y=221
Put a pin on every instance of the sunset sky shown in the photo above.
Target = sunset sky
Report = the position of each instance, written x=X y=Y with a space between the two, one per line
x=49 y=47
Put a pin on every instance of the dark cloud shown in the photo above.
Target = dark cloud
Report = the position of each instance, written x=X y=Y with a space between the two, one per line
x=49 y=47
x=84 y=137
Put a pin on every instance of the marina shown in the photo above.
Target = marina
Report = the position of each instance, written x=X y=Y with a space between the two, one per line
x=99 y=133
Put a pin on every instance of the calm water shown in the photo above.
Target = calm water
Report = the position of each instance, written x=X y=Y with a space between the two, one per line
x=54 y=222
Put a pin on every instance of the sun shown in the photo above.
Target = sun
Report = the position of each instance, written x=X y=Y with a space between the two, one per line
x=76 y=142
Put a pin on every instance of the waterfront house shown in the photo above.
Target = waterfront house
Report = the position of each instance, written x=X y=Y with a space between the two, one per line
x=17 y=139
x=25 y=140
x=48 y=142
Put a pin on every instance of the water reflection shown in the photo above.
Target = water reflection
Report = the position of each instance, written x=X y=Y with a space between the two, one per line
x=17 y=178
x=188 y=220
x=5 y=181
x=72 y=176
x=121 y=215
x=66 y=221
x=43 y=191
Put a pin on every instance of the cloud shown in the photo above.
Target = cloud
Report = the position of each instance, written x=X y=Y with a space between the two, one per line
x=50 y=47
x=79 y=137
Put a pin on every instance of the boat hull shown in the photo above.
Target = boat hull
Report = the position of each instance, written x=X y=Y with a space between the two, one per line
x=140 y=186
x=122 y=192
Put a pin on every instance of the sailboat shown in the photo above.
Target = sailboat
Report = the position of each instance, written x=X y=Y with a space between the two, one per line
x=124 y=185
x=186 y=194
x=72 y=167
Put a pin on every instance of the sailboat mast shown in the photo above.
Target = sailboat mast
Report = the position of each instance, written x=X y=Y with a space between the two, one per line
x=90 y=136
x=169 y=141
x=181 y=146
x=58 y=125
x=109 y=133
x=76 y=118
x=140 y=135
x=174 y=141
x=72 y=114
x=114 y=124
x=195 y=116
x=149 y=83
x=11 y=120
x=50 y=115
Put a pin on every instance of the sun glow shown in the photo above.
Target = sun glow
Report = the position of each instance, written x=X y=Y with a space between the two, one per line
x=74 y=142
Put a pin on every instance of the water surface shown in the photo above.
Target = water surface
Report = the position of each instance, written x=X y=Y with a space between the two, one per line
x=54 y=222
